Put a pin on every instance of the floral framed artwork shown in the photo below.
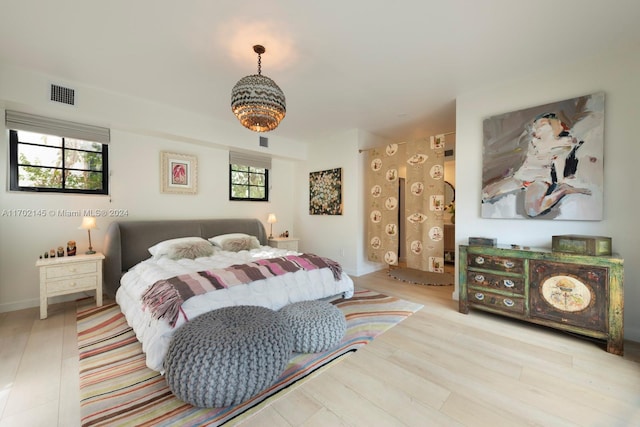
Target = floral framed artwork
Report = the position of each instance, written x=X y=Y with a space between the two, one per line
x=179 y=173
x=325 y=192
x=545 y=162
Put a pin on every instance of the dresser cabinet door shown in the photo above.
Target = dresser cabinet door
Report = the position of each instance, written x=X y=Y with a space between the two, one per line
x=570 y=294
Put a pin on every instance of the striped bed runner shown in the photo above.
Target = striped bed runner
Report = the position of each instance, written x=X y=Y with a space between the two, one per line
x=117 y=388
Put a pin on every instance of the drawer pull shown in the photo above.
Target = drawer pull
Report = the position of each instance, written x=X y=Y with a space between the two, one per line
x=479 y=260
x=479 y=296
x=479 y=278
x=509 y=264
x=508 y=302
x=508 y=283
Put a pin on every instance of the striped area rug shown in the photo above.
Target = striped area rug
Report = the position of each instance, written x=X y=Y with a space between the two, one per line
x=116 y=387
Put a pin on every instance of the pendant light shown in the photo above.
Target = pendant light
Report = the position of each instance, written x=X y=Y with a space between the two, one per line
x=257 y=101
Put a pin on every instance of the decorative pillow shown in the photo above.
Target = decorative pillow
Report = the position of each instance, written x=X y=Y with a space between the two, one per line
x=190 y=250
x=235 y=242
x=162 y=248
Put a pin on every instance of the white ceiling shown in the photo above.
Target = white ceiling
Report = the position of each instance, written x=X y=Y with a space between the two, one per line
x=393 y=68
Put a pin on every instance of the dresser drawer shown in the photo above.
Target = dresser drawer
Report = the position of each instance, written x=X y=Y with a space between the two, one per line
x=290 y=244
x=499 y=302
x=491 y=262
x=66 y=270
x=72 y=284
x=495 y=281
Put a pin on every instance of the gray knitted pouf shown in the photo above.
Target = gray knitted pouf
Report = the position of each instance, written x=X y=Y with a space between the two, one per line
x=227 y=356
x=316 y=325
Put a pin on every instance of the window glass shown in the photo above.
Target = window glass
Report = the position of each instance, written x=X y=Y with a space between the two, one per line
x=38 y=155
x=39 y=139
x=82 y=145
x=75 y=159
x=39 y=177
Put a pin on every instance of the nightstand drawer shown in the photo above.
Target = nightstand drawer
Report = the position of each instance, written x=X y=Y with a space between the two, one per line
x=66 y=270
x=288 y=243
x=290 y=246
x=72 y=284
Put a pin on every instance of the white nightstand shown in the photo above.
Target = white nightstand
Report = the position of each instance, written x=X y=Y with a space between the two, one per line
x=69 y=274
x=289 y=243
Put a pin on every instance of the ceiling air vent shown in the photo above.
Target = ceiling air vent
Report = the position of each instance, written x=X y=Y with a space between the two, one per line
x=264 y=141
x=63 y=94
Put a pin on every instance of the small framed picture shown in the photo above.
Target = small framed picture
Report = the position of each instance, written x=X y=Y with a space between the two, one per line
x=179 y=173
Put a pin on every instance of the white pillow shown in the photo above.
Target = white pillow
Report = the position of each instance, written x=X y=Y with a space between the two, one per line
x=162 y=248
x=235 y=242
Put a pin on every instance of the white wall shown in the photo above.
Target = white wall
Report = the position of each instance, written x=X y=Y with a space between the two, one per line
x=140 y=130
x=618 y=75
x=340 y=237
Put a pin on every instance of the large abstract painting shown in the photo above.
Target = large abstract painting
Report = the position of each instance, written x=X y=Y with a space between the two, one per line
x=545 y=162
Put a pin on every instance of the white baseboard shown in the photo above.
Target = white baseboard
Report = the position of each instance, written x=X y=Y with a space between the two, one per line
x=19 y=305
x=35 y=302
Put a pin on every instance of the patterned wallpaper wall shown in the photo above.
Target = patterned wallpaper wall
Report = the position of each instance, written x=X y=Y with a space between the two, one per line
x=421 y=163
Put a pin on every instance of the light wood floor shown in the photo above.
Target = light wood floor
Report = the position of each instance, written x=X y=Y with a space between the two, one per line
x=438 y=367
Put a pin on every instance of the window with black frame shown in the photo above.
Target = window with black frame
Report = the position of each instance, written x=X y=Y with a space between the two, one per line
x=248 y=183
x=46 y=155
x=56 y=164
x=248 y=177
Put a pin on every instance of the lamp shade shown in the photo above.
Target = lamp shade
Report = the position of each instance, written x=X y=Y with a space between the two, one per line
x=272 y=218
x=88 y=223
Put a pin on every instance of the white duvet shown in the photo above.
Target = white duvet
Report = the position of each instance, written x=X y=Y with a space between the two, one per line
x=274 y=293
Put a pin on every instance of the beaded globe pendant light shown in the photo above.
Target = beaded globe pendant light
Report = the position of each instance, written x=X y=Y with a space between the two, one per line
x=257 y=101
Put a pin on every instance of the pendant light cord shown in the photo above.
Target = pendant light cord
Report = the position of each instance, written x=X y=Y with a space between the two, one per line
x=259 y=64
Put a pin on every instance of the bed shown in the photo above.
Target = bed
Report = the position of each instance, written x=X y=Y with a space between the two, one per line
x=131 y=273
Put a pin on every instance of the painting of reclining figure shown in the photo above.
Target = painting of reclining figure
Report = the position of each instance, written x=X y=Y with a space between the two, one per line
x=545 y=162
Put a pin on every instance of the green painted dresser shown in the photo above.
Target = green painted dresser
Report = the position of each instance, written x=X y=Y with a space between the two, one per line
x=577 y=293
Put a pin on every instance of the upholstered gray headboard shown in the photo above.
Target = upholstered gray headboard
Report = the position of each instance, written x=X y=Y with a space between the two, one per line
x=126 y=243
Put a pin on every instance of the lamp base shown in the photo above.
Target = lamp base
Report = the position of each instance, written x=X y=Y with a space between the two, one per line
x=90 y=252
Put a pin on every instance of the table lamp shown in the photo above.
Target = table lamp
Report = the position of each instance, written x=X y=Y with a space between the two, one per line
x=271 y=219
x=88 y=223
